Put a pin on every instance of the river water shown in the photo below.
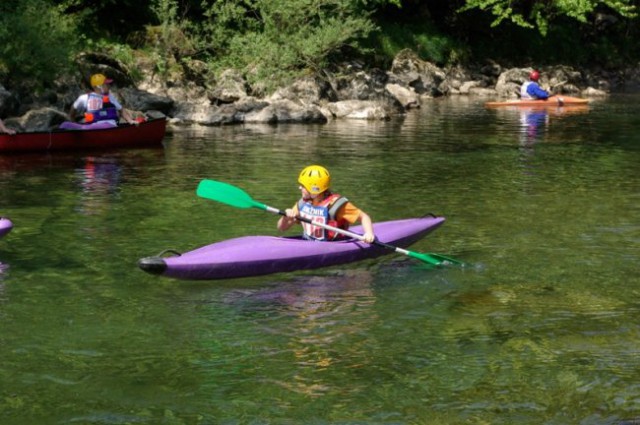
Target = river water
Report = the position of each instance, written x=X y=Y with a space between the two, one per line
x=541 y=326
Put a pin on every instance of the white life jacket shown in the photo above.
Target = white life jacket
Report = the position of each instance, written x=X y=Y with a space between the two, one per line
x=523 y=90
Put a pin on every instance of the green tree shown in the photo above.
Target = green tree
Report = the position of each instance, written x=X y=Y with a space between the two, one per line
x=109 y=19
x=539 y=13
x=275 y=41
x=37 y=42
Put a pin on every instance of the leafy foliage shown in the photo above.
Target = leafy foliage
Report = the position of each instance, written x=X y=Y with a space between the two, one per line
x=111 y=19
x=280 y=40
x=539 y=13
x=272 y=42
x=427 y=41
x=36 y=41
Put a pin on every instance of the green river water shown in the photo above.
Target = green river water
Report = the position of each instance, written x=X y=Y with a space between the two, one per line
x=543 y=326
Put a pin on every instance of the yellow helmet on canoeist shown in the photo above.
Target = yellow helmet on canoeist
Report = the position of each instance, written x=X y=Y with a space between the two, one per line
x=99 y=79
x=315 y=178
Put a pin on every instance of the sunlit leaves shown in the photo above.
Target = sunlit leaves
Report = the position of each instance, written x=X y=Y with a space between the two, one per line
x=284 y=39
x=538 y=14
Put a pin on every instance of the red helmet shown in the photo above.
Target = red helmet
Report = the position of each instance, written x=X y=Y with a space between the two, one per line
x=534 y=75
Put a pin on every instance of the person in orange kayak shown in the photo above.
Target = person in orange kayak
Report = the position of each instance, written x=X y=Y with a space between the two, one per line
x=99 y=105
x=320 y=204
x=531 y=89
x=5 y=129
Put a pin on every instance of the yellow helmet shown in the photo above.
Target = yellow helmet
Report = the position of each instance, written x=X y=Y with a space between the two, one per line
x=99 y=79
x=315 y=178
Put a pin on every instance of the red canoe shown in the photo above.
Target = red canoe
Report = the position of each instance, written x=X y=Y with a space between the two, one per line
x=552 y=101
x=148 y=133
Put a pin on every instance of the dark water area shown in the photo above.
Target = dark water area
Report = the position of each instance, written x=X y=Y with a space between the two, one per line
x=541 y=327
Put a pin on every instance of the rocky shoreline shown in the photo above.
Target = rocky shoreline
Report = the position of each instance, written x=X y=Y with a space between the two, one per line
x=347 y=92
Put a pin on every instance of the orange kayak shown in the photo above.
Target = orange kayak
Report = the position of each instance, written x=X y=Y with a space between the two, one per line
x=553 y=101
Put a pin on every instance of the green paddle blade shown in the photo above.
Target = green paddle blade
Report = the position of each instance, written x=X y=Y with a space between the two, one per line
x=445 y=260
x=427 y=258
x=227 y=194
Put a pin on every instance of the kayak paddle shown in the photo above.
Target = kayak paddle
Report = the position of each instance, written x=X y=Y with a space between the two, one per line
x=236 y=197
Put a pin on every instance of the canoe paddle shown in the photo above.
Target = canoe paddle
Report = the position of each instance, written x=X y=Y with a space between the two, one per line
x=236 y=197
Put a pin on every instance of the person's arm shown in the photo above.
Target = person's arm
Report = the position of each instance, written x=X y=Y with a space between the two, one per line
x=367 y=226
x=77 y=109
x=73 y=114
x=353 y=214
x=285 y=222
x=127 y=117
x=122 y=112
x=537 y=92
x=4 y=129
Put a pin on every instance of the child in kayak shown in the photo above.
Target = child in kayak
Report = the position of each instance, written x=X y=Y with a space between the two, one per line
x=321 y=205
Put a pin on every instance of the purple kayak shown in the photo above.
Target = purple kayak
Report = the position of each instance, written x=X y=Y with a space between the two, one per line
x=5 y=226
x=261 y=255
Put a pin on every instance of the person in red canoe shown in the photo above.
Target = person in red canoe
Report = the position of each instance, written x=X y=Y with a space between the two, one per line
x=5 y=129
x=321 y=205
x=531 y=89
x=99 y=106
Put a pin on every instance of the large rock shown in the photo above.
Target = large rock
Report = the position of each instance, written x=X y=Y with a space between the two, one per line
x=510 y=81
x=141 y=100
x=405 y=95
x=563 y=80
x=425 y=78
x=307 y=91
x=362 y=85
x=360 y=109
x=211 y=115
x=285 y=111
x=42 y=119
x=593 y=92
x=457 y=81
x=230 y=87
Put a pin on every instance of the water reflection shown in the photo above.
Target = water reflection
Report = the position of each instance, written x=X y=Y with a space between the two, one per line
x=3 y=269
x=316 y=332
x=98 y=179
x=533 y=122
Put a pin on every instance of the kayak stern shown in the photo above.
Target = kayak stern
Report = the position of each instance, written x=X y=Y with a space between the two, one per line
x=153 y=265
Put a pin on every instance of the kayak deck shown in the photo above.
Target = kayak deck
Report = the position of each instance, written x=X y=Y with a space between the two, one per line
x=261 y=255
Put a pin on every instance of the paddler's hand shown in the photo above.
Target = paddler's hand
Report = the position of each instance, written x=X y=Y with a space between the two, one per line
x=369 y=237
x=287 y=220
x=290 y=213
